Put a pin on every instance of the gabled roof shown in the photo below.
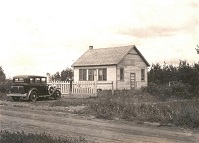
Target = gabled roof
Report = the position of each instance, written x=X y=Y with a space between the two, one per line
x=105 y=56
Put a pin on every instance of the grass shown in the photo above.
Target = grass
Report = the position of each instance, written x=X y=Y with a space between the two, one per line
x=133 y=107
x=22 y=137
x=136 y=106
x=140 y=107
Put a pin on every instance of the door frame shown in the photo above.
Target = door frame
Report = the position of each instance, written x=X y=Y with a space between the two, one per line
x=134 y=81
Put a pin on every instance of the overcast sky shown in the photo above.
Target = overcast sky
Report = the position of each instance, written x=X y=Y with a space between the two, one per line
x=40 y=36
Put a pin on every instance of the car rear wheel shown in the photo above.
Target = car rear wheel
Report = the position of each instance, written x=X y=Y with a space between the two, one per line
x=57 y=95
x=15 y=98
x=33 y=96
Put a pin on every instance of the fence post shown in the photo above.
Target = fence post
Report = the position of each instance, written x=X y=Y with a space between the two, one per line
x=112 y=89
x=95 y=80
x=70 y=86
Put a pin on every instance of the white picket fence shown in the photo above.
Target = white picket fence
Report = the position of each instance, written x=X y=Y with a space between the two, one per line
x=76 y=89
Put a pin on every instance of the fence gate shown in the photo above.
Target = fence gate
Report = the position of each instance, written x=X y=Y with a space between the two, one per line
x=85 y=89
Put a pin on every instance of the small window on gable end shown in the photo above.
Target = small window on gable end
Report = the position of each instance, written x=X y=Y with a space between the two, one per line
x=142 y=74
x=122 y=74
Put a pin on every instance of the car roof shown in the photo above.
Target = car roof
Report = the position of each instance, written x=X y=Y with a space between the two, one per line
x=28 y=76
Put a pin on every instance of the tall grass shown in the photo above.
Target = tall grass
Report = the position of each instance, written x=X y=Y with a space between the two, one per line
x=138 y=106
x=22 y=137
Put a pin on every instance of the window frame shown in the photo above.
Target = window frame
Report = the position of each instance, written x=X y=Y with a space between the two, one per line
x=142 y=74
x=82 y=74
x=103 y=75
x=91 y=75
x=121 y=74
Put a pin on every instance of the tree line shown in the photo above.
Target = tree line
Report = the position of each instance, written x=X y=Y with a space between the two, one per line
x=185 y=73
x=64 y=75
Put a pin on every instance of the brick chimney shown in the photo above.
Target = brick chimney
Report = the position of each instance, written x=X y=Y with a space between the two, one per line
x=90 y=47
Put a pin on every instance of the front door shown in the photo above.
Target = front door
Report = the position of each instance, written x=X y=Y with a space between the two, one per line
x=132 y=80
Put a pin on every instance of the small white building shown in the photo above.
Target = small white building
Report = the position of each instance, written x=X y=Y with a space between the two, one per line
x=123 y=66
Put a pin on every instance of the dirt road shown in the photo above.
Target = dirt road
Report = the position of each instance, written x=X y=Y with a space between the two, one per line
x=25 y=116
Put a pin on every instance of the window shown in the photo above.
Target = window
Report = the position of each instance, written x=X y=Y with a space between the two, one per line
x=43 y=80
x=102 y=74
x=18 y=80
x=82 y=74
x=91 y=74
x=121 y=74
x=37 y=79
x=32 y=80
x=142 y=74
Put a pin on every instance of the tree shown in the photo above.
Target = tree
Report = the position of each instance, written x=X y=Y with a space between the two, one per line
x=66 y=74
x=2 y=75
x=56 y=77
x=185 y=74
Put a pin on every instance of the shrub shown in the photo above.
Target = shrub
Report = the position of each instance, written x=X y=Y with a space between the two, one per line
x=4 y=86
x=129 y=105
x=163 y=92
x=181 y=90
x=186 y=114
x=21 y=137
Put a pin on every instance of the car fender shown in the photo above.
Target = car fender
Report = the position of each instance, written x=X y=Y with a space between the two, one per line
x=55 y=89
x=30 y=90
x=58 y=88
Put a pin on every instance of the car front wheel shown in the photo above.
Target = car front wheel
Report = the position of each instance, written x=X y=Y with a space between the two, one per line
x=57 y=95
x=33 y=96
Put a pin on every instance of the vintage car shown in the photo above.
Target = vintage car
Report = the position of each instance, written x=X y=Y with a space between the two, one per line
x=32 y=87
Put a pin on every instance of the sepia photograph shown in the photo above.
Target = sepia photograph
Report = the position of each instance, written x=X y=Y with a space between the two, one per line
x=96 y=71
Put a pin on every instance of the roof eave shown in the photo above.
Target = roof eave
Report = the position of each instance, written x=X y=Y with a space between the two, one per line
x=93 y=65
x=142 y=56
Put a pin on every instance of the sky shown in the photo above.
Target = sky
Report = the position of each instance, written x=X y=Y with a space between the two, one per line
x=46 y=36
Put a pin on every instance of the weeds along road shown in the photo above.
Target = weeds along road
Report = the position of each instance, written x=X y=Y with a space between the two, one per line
x=25 y=116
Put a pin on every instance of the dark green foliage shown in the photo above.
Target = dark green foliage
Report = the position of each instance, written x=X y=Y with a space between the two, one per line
x=181 y=90
x=2 y=75
x=185 y=74
x=4 y=83
x=180 y=113
x=65 y=75
x=186 y=114
x=162 y=74
x=56 y=77
x=21 y=137
x=164 y=91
